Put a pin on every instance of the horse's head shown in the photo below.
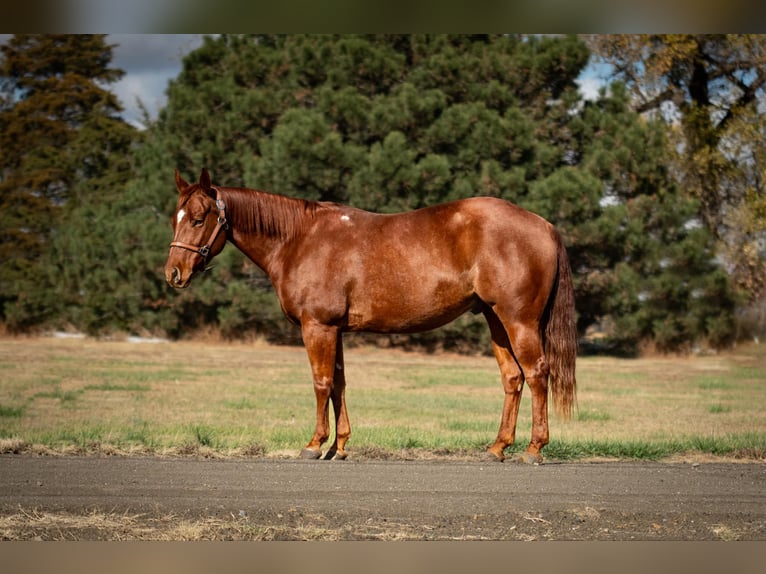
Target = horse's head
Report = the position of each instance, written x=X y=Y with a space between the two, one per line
x=199 y=225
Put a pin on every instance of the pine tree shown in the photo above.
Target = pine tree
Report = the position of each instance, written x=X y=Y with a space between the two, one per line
x=63 y=147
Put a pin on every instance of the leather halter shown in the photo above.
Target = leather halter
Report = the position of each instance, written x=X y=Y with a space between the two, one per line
x=204 y=250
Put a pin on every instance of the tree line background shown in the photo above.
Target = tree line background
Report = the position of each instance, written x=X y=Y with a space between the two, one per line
x=657 y=185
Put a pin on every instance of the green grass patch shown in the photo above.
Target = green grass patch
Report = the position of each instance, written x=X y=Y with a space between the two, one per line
x=240 y=404
x=446 y=377
x=718 y=408
x=139 y=434
x=570 y=450
x=592 y=415
x=203 y=435
x=63 y=396
x=11 y=412
x=143 y=375
x=749 y=445
x=83 y=437
x=749 y=372
x=107 y=386
x=462 y=426
x=714 y=384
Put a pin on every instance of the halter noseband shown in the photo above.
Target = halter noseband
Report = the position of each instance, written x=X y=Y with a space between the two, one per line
x=204 y=250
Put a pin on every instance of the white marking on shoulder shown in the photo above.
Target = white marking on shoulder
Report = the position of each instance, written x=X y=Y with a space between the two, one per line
x=180 y=216
x=345 y=218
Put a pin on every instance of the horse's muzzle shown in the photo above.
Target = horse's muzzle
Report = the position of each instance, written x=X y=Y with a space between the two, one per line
x=174 y=279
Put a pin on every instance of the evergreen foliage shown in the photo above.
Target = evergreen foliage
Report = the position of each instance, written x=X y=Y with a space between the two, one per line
x=710 y=89
x=66 y=154
x=392 y=123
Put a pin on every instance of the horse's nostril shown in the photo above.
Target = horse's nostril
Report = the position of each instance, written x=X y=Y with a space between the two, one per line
x=173 y=276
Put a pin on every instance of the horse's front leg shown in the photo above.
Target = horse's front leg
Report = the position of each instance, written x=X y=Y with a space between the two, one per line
x=338 y=395
x=322 y=345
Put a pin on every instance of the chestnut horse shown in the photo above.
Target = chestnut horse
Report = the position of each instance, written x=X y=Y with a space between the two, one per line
x=336 y=268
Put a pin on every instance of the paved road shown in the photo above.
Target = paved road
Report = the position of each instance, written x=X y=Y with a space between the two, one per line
x=404 y=500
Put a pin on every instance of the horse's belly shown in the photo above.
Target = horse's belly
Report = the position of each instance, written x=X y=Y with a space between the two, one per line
x=410 y=310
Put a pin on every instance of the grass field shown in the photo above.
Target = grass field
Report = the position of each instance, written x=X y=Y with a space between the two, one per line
x=214 y=399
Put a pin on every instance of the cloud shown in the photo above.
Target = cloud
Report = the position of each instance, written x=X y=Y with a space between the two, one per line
x=148 y=88
x=150 y=61
x=140 y=52
x=593 y=78
x=589 y=87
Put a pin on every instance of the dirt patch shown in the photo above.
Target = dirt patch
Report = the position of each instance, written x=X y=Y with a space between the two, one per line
x=577 y=524
x=157 y=498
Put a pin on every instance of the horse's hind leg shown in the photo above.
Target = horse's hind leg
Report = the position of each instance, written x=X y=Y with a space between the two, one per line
x=513 y=382
x=527 y=348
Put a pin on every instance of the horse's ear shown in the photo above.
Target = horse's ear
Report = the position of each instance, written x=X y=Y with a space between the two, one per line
x=181 y=184
x=204 y=182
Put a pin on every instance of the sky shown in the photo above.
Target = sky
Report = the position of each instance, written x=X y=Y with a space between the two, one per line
x=150 y=61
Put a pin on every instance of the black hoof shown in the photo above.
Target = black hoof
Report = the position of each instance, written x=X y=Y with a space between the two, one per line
x=335 y=455
x=311 y=454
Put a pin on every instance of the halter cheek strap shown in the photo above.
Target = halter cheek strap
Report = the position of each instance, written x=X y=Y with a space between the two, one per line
x=204 y=250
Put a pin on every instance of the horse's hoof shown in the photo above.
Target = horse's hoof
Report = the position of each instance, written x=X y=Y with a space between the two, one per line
x=311 y=454
x=336 y=455
x=528 y=458
x=490 y=456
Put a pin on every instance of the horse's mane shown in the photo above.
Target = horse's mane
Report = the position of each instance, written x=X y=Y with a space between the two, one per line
x=268 y=214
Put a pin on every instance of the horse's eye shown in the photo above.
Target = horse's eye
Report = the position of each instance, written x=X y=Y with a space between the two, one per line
x=197 y=222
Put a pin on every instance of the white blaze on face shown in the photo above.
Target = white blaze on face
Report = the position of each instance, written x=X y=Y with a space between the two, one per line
x=180 y=216
x=345 y=218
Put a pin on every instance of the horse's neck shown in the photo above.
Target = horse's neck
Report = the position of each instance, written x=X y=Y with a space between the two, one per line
x=262 y=223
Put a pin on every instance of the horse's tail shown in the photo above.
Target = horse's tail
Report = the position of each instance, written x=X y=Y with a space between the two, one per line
x=560 y=336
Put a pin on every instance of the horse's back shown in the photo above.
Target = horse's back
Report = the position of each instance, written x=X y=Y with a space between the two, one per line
x=460 y=237
x=485 y=227
x=475 y=214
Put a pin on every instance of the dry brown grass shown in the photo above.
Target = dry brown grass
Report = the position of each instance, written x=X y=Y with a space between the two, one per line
x=214 y=399
x=109 y=526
